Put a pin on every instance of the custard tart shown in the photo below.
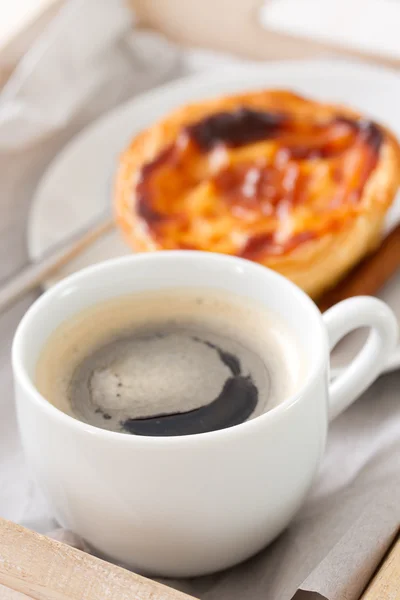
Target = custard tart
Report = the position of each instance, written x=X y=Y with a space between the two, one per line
x=296 y=185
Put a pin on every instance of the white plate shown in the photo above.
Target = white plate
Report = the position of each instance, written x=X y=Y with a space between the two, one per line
x=78 y=185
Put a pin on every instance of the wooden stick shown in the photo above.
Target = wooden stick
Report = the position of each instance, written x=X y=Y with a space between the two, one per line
x=44 y=569
x=385 y=585
x=36 y=273
x=369 y=275
x=7 y=594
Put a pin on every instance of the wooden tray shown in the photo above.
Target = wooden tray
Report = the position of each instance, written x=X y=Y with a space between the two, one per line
x=38 y=568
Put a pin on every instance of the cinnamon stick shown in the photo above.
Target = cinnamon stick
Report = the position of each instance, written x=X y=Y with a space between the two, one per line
x=369 y=275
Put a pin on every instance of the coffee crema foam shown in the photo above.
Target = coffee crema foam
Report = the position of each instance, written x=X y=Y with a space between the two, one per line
x=170 y=362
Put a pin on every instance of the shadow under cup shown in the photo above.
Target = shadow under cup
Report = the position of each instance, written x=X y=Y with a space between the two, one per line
x=175 y=506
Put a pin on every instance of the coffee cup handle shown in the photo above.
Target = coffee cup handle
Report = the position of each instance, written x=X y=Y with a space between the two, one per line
x=344 y=317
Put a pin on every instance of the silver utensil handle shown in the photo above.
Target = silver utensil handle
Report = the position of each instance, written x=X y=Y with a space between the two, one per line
x=36 y=273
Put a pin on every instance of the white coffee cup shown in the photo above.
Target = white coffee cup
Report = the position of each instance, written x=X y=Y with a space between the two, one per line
x=190 y=505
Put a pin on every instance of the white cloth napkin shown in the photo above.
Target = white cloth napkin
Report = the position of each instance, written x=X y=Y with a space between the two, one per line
x=87 y=61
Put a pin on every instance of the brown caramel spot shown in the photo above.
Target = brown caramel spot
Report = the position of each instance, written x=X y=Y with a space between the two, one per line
x=236 y=128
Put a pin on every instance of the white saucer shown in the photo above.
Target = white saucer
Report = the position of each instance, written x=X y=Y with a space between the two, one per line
x=78 y=184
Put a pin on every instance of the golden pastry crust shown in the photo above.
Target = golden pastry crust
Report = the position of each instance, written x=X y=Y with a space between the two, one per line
x=296 y=185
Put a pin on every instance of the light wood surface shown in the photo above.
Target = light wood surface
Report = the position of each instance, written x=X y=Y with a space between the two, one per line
x=7 y=594
x=195 y=23
x=385 y=585
x=44 y=569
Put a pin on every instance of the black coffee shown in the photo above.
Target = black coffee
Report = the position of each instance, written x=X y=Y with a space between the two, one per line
x=170 y=380
x=168 y=364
